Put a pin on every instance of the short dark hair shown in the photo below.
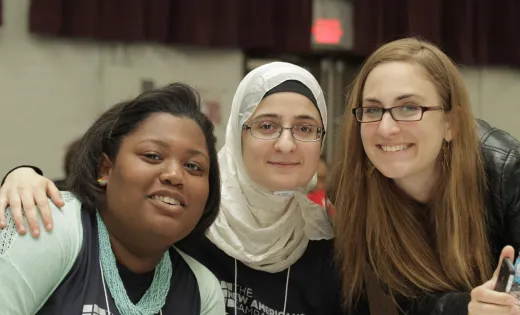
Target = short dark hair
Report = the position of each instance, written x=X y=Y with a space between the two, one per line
x=108 y=131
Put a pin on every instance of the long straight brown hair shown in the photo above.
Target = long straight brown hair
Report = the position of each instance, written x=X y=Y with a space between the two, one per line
x=378 y=225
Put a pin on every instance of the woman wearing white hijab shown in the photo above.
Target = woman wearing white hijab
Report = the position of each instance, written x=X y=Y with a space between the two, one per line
x=271 y=247
x=266 y=221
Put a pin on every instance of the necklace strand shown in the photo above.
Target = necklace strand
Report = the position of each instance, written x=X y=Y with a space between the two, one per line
x=153 y=299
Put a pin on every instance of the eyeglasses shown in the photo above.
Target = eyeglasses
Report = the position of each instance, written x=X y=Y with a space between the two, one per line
x=269 y=130
x=398 y=113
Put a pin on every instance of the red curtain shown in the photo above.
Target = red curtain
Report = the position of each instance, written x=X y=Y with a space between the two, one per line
x=483 y=32
x=272 y=25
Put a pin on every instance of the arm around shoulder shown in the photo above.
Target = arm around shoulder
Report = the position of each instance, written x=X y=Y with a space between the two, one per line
x=34 y=168
x=32 y=268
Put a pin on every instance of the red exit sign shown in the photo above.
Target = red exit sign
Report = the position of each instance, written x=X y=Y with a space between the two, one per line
x=327 y=31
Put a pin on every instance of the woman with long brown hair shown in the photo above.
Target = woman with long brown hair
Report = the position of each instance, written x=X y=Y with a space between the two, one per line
x=425 y=195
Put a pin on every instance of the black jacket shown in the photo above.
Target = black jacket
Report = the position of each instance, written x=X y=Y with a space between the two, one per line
x=501 y=153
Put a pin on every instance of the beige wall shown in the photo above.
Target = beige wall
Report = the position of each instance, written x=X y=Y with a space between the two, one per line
x=52 y=90
x=495 y=96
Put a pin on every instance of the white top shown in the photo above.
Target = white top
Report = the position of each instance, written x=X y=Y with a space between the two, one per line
x=32 y=268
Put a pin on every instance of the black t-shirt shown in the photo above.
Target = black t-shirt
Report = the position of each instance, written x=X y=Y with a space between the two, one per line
x=313 y=287
x=82 y=291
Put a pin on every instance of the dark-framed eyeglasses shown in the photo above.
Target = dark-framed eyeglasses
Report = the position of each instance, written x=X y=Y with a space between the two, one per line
x=398 y=113
x=270 y=130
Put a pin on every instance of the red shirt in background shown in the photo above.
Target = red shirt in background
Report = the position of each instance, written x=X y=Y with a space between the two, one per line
x=318 y=197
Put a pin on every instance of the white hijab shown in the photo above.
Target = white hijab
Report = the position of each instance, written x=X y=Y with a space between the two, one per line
x=265 y=230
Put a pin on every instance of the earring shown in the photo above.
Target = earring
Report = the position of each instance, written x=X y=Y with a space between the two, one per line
x=102 y=181
x=446 y=152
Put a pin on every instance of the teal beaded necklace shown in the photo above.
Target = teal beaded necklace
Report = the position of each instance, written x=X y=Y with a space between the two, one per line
x=153 y=299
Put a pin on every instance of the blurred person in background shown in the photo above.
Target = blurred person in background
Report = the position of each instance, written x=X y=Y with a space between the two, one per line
x=317 y=195
x=72 y=148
